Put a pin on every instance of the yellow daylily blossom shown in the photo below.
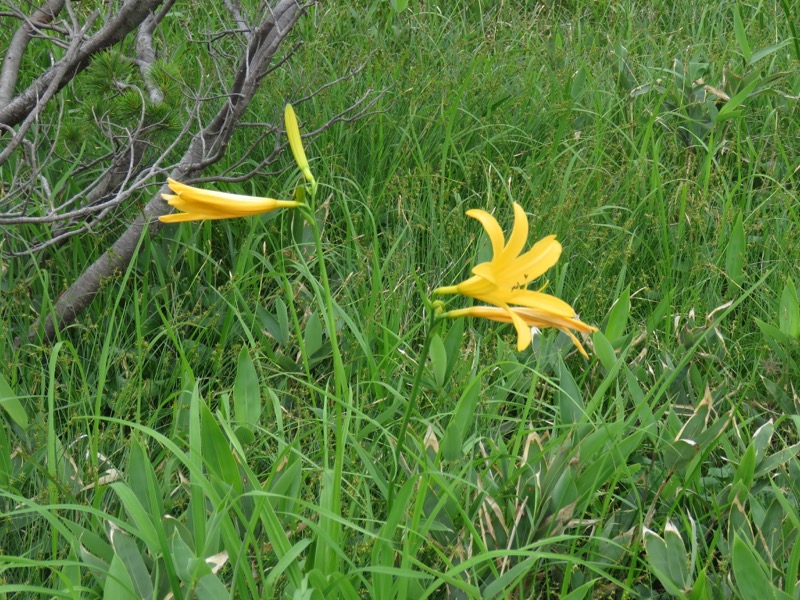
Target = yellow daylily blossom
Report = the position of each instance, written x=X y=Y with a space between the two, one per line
x=296 y=144
x=503 y=282
x=197 y=204
x=525 y=318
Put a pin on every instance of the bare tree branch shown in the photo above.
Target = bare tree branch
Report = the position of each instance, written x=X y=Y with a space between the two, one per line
x=129 y=16
x=13 y=58
x=210 y=142
x=49 y=92
x=146 y=54
x=233 y=7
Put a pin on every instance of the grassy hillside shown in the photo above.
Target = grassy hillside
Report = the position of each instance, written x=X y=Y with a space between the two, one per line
x=201 y=409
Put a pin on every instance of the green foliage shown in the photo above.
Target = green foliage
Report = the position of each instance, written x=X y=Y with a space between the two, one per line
x=190 y=435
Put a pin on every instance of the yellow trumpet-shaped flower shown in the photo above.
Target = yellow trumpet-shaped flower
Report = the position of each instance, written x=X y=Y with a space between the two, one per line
x=197 y=204
x=503 y=282
x=525 y=318
x=296 y=144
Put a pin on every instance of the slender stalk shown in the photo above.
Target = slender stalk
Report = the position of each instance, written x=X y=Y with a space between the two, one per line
x=412 y=401
x=342 y=396
x=339 y=375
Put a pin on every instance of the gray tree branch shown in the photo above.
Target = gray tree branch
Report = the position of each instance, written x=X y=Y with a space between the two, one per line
x=16 y=49
x=211 y=141
x=128 y=17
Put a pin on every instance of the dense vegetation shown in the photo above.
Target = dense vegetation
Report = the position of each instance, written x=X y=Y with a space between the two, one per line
x=192 y=432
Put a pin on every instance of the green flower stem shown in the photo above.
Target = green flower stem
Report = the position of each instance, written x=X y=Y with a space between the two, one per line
x=339 y=375
x=333 y=498
x=412 y=400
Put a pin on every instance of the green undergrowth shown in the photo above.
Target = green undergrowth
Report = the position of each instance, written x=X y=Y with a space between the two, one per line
x=185 y=435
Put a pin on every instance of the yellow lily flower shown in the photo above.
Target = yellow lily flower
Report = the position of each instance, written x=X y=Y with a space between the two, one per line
x=503 y=282
x=525 y=318
x=296 y=144
x=198 y=204
x=503 y=279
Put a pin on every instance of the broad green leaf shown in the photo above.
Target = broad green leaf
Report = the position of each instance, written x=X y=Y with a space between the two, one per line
x=282 y=317
x=246 y=394
x=139 y=515
x=762 y=439
x=759 y=54
x=399 y=5
x=741 y=35
x=773 y=335
x=438 y=358
x=659 y=561
x=69 y=580
x=384 y=550
x=188 y=566
x=728 y=110
x=744 y=473
x=659 y=312
x=777 y=459
x=577 y=83
x=582 y=592
x=604 y=350
x=750 y=573
x=12 y=405
x=789 y=312
x=217 y=454
x=676 y=555
x=118 y=583
x=5 y=459
x=709 y=438
x=618 y=317
x=509 y=579
x=680 y=452
x=284 y=486
x=452 y=343
x=461 y=421
x=570 y=400
x=313 y=334
x=735 y=253
x=126 y=550
x=209 y=587
x=700 y=588
x=142 y=478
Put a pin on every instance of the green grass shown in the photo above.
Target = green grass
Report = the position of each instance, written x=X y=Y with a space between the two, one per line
x=193 y=409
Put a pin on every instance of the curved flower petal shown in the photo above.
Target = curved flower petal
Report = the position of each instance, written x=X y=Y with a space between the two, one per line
x=525 y=318
x=492 y=228
x=524 y=336
x=541 y=301
x=517 y=239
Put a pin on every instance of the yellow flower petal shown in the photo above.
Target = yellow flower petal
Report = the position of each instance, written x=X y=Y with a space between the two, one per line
x=519 y=235
x=524 y=336
x=525 y=318
x=504 y=279
x=541 y=301
x=492 y=228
